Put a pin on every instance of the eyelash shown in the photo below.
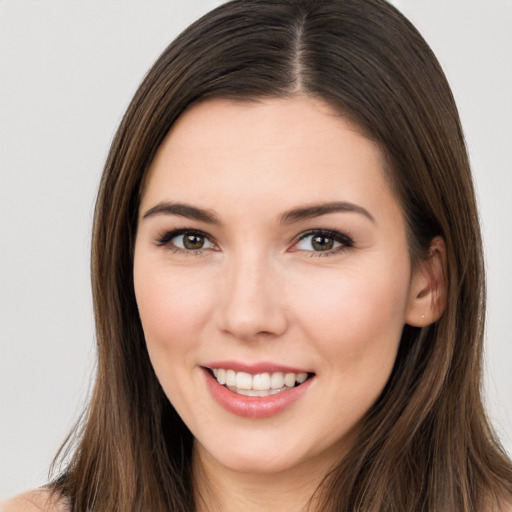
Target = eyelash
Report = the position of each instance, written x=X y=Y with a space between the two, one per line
x=344 y=240
x=164 y=240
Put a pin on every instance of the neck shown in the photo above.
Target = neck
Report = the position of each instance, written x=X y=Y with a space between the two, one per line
x=222 y=489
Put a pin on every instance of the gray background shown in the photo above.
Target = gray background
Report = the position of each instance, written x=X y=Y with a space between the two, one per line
x=67 y=71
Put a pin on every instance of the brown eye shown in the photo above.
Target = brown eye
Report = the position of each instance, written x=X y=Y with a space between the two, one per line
x=193 y=241
x=188 y=241
x=322 y=243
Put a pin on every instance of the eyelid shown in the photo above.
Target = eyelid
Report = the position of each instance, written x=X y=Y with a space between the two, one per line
x=337 y=235
x=167 y=236
x=342 y=238
x=345 y=240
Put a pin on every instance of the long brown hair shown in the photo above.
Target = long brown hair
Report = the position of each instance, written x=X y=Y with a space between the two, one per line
x=426 y=444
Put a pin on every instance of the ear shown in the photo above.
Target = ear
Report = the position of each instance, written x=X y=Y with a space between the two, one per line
x=427 y=296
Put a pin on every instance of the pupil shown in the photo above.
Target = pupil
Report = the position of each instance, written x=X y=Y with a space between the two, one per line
x=322 y=243
x=193 y=241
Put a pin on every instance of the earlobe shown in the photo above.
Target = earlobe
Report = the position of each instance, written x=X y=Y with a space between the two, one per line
x=427 y=296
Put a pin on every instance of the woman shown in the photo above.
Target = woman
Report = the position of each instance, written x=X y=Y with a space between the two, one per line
x=288 y=279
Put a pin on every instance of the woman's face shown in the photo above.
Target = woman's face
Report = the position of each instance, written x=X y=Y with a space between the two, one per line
x=271 y=253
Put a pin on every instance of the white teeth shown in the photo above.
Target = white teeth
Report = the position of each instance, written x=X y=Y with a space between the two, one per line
x=257 y=392
x=230 y=378
x=221 y=376
x=277 y=380
x=300 y=378
x=261 y=381
x=289 y=380
x=261 y=384
x=243 y=380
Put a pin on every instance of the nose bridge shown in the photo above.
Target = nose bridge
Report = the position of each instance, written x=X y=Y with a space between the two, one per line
x=250 y=303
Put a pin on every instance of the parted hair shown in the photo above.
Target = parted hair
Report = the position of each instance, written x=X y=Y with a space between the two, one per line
x=426 y=444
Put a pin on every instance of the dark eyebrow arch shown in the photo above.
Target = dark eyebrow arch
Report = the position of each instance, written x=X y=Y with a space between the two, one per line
x=183 y=210
x=315 y=210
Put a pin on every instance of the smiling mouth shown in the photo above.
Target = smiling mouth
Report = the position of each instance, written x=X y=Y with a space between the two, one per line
x=260 y=384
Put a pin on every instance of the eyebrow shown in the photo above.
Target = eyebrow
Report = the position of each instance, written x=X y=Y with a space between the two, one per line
x=316 y=210
x=289 y=217
x=183 y=210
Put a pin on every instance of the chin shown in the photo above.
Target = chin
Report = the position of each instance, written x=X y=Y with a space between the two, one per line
x=251 y=459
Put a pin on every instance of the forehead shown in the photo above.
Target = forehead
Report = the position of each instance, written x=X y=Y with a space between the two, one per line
x=297 y=150
x=300 y=121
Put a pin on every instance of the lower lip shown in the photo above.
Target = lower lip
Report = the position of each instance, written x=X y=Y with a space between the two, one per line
x=254 y=406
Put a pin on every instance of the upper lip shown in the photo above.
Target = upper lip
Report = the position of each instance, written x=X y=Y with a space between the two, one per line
x=255 y=368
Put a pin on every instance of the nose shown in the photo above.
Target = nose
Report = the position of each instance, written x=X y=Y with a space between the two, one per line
x=250 y=304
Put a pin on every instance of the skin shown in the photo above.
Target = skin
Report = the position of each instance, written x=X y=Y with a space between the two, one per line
x=255 y=292
x=37 y=500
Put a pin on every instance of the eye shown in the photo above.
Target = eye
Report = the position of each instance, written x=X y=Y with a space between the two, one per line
x=186 y=240
x=323 y=241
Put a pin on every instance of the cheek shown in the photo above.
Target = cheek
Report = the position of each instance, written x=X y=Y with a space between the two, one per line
x=355 y=317
x=173 y=307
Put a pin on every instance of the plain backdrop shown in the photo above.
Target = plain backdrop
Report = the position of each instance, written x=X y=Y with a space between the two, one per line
x=68 y=69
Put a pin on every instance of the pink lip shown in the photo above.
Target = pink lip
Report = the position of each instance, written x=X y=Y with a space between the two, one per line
x=253 y=406
x=254 y=368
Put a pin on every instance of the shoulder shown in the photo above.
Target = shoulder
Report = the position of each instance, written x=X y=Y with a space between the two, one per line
x=504 y=505
x=507 y=504
x=38 y=500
